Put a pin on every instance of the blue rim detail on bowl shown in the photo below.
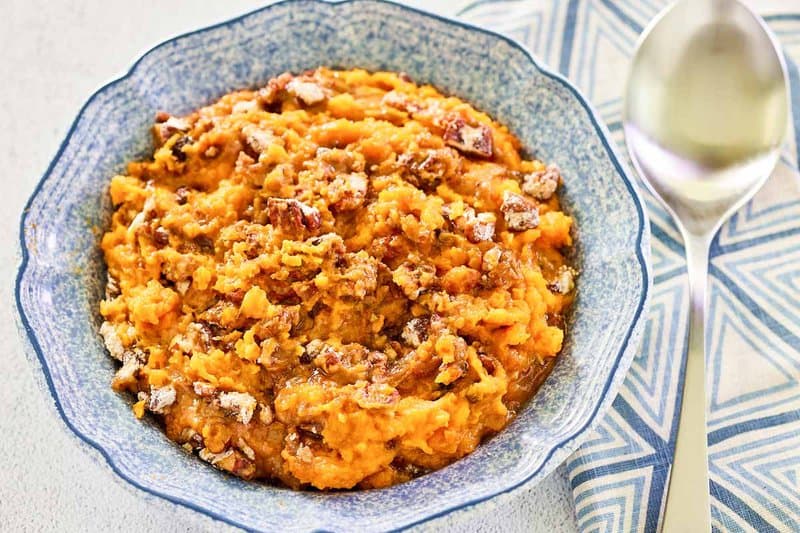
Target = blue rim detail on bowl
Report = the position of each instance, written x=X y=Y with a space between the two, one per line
x=598 y=126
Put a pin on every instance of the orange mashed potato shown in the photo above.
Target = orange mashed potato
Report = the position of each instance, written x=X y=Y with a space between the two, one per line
x=340 y=280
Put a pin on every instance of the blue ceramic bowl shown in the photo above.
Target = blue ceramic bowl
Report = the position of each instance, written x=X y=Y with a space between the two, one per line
x=61 y=275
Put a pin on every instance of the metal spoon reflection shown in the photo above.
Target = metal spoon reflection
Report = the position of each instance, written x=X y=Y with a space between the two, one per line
x=706 y=112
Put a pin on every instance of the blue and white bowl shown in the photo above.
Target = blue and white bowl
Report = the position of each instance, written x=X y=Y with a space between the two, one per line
x=61 y=275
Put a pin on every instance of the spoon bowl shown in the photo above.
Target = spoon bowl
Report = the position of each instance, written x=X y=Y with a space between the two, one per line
x=706 y=109
x=706 y=112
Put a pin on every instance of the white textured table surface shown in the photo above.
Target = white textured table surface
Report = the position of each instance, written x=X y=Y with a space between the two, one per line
x=53 y=55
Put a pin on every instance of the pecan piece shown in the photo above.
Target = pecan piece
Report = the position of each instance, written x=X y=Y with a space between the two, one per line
x=500 y=268
x=178 y=146
x=255 y=140
x=112 y=288
x=161 y=236
x=265 y=414
x=160 y=398
x=306 y=91
x=564 y=280
x=427 y=168
x=474 y=140
x=132 y=361
x=167 y=126
x=182 y=195
x=519 y=213
x=231 y=460
x=191 y=440
x=244 y=106
x=292 y=215
x=238 y=404
x=272 y=92
x=204 y=389
x=542 y=184
x=414 y=279
x=476 y=227
x=214 y=458
x=416 y=331
x=112 y=340
x=400 y=101
x=491 y=258
x=348 y=191
x=246 y=449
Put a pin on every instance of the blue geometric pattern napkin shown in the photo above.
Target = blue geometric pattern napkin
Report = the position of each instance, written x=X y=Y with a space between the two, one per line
x=619 y=476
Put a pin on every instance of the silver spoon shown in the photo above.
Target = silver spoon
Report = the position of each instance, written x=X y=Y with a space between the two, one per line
x=705 y=114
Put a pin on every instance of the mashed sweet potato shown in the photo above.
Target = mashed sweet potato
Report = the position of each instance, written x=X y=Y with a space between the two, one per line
x=340 y=280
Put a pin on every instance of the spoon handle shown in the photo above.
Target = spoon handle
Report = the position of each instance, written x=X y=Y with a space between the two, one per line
x=688 y=501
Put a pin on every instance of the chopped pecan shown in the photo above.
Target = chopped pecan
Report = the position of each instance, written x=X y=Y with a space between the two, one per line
x=160 y=398
x=132 y=361
x=112 y=340
x=407 y=469
x=489 y=363
x=307 y=92
x=501 y=268
x=519 y=213
x=427 y=168
x=255 y=140
x=265 y=414
x=542 y=184
x=164 y=129
x=312 y=431
x=413 y=279
x=182 y=286
x=564 y=280
x=236 y=295
x=491 y=258
x=358 y=275
x=161 y=236
x=291 y=215
x=377 y=395
x=475 y=227
x=474 y=140
x=239 y=404
x=148 y=212
x=112 y=288
x=196 y=339
x=205 y=244
x=451 y=372
x=245 y=106
x=338 y=161
x=246 y=449
x=231 y=460
x=416 y=331
x=271 y=93
x=182 y=195
x=214 y=458
x=400 y=101
x=314 y=348
x=305 y=454
x=305 y=358
x=191 y=440
x=348 y=191
x=204 y=389
x=178 y=146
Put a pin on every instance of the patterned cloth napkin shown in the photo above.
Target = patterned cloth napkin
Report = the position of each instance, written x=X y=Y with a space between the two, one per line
x=619 y=476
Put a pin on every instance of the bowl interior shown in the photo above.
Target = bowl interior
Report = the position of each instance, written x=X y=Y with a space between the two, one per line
x=62 y=274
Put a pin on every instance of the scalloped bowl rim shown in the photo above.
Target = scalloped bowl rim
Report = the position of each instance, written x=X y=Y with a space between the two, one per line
x=566 y=446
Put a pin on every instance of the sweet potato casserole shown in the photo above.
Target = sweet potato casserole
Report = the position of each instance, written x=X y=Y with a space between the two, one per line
x=342 y=279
